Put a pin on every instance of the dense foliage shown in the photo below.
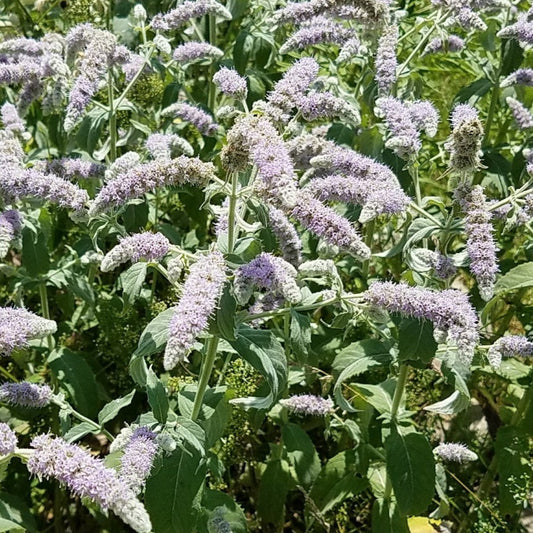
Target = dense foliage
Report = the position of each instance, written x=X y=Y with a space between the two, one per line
x=266 y=266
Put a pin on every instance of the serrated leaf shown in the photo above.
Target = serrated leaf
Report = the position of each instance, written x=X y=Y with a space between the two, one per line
x=263 y=351
x=174 y=490
x=157 y=396
x=111 y=410
x=190 y=433
x=301 y=454
x=35 y=258
x=132 y=281
x=78 y=431
x=155 y=334
x=225 y=318
x=416 y=341
x=453 y=404
x=273 y=490
x=516 y=278
x=354 y=360
x=225 y=507
x=411 y=470
x=77 y=378
x=300 y=334
x=15 y=512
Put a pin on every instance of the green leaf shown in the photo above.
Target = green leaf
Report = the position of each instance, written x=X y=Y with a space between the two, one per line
x=479 y=88
x=411 y=469
x=225 y=319
x=216 y=503
x=263 y=351
x=356 y=359
x=155 y=334
x=189 y=432
x=338 y=480
x=78 y=431
x=300 y=334
x=516 y=278
x=76 y=377
x=35 y=258
x=416 y=342
x=174 y=491
x=138 y=370
x=273 y=490
x=80 y=286
x=110 y=410
x=301 y=453
x=379 y=396
x=216 y=424
x=132 y=281
x=157 y=396
x=514 y=467
x=15 y=514
x=453 y=404
x=386 y=518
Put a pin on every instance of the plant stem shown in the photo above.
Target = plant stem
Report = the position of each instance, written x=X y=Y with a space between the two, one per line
x=212 y=41
x=205 y=374
x=232 y=233
x=45 y=310
x=112 y=118
x=422 y=212
x=369 y=234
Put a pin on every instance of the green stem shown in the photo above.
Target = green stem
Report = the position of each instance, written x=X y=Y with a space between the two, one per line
x=369 y=234
x=232 y=230
x=45 y=310
x=422 y=212
x=213 y=41
x=205 y=374
x=112 y=118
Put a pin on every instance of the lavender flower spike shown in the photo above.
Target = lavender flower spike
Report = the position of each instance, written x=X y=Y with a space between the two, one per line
x=138 y=458
x=452 y=451
x=8 y=439
x=288 y=238
x=386 y=61
x=230 y=83
x=87 y=477
x=522 y=116
x=141 y=246
x=480 y=242
x=449 y=310
x=267 y=272
x=200 y=295
x=332 y=227
x=507 y=347
x=18 y=326
x=196 y=116
x=464 y=144
x=25 y=394
x=189 y=10
x=308 y=404
x=10 y=223
x=522 y=76
x=148 y=177
x=425 y=117
x=194 y=50
x=522 y=30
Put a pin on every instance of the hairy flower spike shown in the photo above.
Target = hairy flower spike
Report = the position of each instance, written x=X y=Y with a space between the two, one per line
x=166 y=146
x=201 y=292
x=522 y=76
x=25 y=394
x=8 y=439
x=194 y=115
x=87 y=477
x=148 y=177
x=522 y=116
x=425 y=117
x=509 y=346
x=325 y=105
x=480 y=241
x=464 y=144
x=449 y=310
x=18 y=326
x=10 y=224
x=386 y=61
x=452 y=43
x=267 y=272
x=230 y=83
x=138 y=458
x=308 y=405
x=141 y=246
x=194 y=51
x=285 y=232
x=522 y=30
x=189 y=9
x=452 y=451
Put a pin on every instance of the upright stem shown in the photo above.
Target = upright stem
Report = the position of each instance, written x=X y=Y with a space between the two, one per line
x=369 y=235
x=45 y=310
x=213 y=41
x=112 y=118
x=207 y=368
x=231 y=212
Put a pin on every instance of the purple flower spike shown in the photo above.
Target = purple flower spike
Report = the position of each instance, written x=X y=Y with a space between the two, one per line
x=308 y=405
x=449 y=310
x=288 y=238
x=193 y=51
x=10 y=223
x=522 y=76
x=8 y=439
x=509 y=346
x=386 y=61
x=452 y=451
x=230 y=83
x=25 y=394
x=138 y=459
x=200 y=295
x=18 y=326
x=194 y=115
x=522 y=115
x=141 y=246
x=87 y=477
x=190 y=9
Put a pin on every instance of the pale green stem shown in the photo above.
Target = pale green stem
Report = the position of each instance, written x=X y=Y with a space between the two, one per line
x=205 y=374
x=368 y=241
x=232 y=229
x=112 y=118
x=45 y=310
x=422 y=212
x=212 y=41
